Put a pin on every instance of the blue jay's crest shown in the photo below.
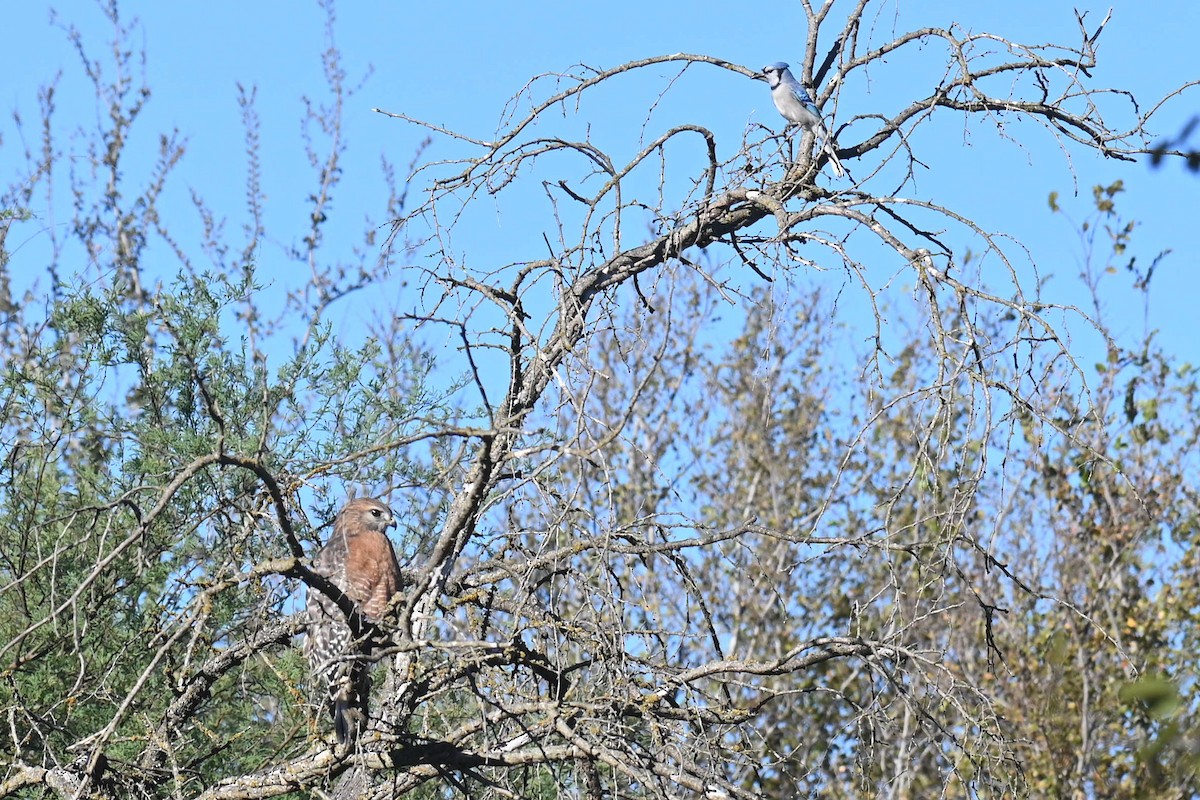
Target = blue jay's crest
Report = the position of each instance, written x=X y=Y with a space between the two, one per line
x=778 y=73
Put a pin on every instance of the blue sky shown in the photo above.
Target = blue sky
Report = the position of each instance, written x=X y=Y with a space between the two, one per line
x=457 y=64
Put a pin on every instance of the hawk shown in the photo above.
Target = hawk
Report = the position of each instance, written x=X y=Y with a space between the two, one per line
x=359 y=560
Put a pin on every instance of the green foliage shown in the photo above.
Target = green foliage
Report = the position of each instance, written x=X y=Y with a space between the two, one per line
x=121 y=574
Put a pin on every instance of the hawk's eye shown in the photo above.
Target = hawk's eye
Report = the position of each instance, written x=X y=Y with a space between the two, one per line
x=374 y=512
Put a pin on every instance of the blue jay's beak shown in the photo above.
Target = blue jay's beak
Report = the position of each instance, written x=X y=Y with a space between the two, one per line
x=760 y=76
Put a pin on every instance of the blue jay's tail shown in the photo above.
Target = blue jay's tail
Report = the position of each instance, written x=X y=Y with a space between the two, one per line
x=821 y=132
x=834 y=161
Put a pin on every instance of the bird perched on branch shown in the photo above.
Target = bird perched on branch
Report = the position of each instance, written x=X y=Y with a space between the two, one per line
x=359 y=560
x=798 y=108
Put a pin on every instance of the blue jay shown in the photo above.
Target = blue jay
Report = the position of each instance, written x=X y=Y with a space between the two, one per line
x=797 y=107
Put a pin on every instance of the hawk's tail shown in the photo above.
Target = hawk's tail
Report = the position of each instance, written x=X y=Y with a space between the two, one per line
x=348 y=720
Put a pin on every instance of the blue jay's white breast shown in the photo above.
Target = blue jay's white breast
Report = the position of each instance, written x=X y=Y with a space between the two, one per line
x=790 y=107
